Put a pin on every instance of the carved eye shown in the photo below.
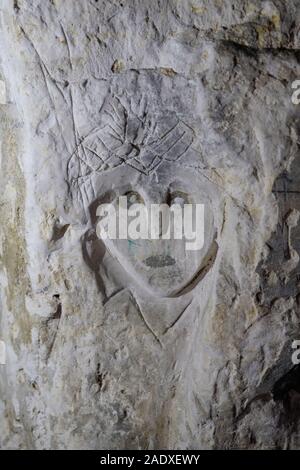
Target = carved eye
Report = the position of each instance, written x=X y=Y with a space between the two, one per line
x=177 y=197
x=133 y=198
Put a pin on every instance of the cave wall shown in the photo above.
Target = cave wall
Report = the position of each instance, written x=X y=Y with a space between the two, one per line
x=102 y=98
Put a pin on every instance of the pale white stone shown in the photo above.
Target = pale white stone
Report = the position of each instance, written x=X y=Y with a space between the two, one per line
x=118 y=345
x=2 y=92
x=2 y=353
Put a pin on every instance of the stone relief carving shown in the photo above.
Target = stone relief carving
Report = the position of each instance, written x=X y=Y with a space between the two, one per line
x=142 y=147
x=141 y=344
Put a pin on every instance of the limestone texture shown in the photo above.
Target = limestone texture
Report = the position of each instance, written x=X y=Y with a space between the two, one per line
x=143 y=345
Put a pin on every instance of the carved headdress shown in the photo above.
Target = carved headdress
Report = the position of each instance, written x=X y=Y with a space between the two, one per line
x=123 y=137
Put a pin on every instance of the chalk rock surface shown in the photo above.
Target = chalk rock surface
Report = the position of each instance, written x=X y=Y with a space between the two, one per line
x=139 y=344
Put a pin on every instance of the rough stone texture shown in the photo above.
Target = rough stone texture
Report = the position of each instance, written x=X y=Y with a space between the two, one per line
x=106 y=97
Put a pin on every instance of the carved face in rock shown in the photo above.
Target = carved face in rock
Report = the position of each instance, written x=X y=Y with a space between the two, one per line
x=142 y=148
x=165 y=267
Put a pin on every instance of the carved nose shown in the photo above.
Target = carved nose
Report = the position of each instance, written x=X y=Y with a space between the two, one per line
x=159 y=261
